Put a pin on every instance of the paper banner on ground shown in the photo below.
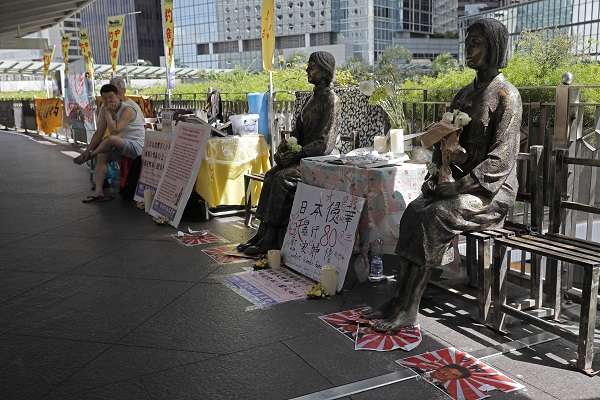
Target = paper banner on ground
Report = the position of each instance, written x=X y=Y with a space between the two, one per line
x=351 y=324
x=459 y=375
x=154 y=156
x=79 y=99
x=49 y=114
x=223 y=254
x=406 y=339
x=269 y=287
x=188 y=148
x=115 y=26
x=321 y=231
x=168 y=31
x=196 y=239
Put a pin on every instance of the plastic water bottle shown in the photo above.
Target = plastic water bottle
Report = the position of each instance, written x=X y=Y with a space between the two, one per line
x=376 y=262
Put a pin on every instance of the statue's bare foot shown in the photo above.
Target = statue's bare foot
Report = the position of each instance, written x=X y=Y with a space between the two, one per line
x=384 y=311
x=401 y=320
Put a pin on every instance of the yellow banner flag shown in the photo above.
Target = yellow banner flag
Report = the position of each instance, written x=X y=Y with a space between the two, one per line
x=267 y=34
x=116 y=24
x=65 y=41
x=47 y=57
x=168 y=31
x=49 y=114
x=86 y=51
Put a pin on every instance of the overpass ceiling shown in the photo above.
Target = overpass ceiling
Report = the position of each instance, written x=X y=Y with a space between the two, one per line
x=23 y=17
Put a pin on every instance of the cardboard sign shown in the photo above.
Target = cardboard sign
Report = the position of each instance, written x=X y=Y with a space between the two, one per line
x=116 y=24
x=154 y=157
x=49 y=114
x=168 y=31
x=188 y=148
x=321 y=231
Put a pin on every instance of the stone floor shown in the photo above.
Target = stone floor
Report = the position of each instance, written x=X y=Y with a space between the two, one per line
x=97 y=302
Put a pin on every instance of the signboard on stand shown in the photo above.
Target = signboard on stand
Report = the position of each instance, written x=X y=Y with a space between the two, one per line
x=187 y=150
x=154 y=157
x=321 y=231
x=79 y=99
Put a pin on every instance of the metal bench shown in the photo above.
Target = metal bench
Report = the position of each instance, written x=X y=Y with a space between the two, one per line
x=554 y=247
x=479 y=244
x=249 y=212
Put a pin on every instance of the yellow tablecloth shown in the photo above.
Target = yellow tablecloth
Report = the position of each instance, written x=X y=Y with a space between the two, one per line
x=221 y=177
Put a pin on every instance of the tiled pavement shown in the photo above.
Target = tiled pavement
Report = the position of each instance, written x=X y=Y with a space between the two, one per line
x=97 y=302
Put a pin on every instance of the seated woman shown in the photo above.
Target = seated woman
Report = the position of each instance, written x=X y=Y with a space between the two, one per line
x=485 y=184
x=315 y=132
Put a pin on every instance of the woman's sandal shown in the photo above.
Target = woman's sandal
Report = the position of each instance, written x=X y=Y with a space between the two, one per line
x=97 y=199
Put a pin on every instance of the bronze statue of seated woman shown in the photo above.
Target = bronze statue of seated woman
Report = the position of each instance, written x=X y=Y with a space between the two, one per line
x=315 y=136
x=484 y=183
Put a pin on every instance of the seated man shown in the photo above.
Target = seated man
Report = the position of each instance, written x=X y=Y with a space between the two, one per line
x=315 y=132
x=125 y=123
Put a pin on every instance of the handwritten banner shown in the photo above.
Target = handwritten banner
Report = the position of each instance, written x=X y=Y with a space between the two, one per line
x=156 y=149
x=183 y=163
x=65 y=41
x=168 y=31
x=267 y=33
x=49 y=114
x=47 y=57
x=116 y=24
x=86 y=50
x=321 y=231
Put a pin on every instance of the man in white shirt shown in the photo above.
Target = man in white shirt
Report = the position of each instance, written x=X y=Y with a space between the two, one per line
x=125 y=122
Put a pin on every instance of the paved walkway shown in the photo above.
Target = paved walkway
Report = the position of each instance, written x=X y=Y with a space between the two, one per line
x=97 y=302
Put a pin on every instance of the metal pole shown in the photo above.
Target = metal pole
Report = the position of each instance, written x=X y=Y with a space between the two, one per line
x=169 y=90
x=272 y=132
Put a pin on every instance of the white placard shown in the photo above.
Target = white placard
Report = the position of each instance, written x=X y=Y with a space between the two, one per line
x=188 y=148
x=154 y=157
x=321 y=231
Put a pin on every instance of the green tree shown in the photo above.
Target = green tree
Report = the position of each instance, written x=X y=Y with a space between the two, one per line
x=443 y=64
x=391 y=67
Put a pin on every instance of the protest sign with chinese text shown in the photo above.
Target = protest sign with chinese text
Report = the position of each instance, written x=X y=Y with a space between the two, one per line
x=49 y=114
x=183 y=163
x=116 y=24
x=321 y=231
x=156 y=150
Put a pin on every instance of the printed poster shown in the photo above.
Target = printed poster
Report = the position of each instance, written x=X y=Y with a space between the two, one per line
x=459 y=375
x=79 y=99
x=49 y=114
x=269 y=287
x=321 y=231
x=187 y=150
x=154 y=156
x=116 y=24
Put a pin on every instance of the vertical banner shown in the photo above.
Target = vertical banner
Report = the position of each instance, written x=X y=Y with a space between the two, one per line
x=168 y=32
x=48 y=54
x=79 y=102
x=86 y=50
x=65 y=40
x=267 y=34
x=116 y=24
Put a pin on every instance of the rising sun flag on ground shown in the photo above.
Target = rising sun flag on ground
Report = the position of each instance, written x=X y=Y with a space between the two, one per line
x=267 y=35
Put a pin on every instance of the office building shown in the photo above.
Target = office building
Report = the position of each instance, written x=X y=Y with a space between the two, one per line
x=580 y=19
x=142 y=35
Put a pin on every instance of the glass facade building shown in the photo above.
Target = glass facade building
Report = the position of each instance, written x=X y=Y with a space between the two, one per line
x=142 y=35
x=580 y=19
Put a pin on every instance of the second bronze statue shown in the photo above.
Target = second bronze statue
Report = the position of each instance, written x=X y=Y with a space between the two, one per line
x=315 y=132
